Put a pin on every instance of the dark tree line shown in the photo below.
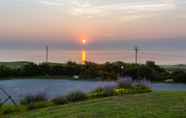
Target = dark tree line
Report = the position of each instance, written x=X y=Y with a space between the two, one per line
x=106 y=71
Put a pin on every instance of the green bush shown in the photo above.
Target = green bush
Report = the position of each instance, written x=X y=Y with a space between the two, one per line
x=120 y=91
x=102 y=92
x=179 y=76
x=125 y=82
x=31 y=99
x=8 y=109
x=140 y=89
x=60 y=100
x=37 y=105
x=99 y=92
x=76 y=96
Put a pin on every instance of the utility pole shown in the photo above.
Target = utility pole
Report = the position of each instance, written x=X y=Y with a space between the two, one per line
x=46 y=48
x=136 y=48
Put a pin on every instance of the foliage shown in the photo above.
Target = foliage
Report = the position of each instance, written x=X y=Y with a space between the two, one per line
x=106 y=71
x=100 y=92
x=179 y=76
x=29 y=69
x=37 y=105
x=103 y=92
x=141 y=86
x=60 y=100
x=120 y=91
x=76 y=96
x=6 y=109
x=125 y=82
x=31 y=99
x=139 y=89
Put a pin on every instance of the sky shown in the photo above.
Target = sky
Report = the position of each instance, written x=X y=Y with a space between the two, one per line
x=105 y=24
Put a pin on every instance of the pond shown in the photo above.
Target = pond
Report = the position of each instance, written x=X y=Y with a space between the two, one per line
x=21 y=87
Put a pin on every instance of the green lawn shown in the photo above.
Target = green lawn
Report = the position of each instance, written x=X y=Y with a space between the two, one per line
x=152 y=105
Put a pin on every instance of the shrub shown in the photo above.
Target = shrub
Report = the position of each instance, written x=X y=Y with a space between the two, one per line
x=139 y=89
x=31 y=99
x=109 y=90
x=37 y=105
x=120 y=91
x=76 y=96
x=103 y=92
x=142 y=83
x=99 y=92
x=142 y=86
x=8 y=109
x=125 y=82
x=179 y=76
x=60 y=100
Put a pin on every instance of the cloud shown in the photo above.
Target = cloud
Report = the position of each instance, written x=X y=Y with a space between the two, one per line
x=133 y=9
x=51 y=3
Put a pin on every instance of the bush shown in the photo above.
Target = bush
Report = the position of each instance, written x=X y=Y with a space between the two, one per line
x=139 y=89
x=8 y=109
x=60 y=100
x=179 y=76
x=103 y=92
x=37 y=105
x=125 y=82
x=120 y=91
x=31 y=99
x=76 y=96
x=142 y=86
x=99 y=92
x=142 y=83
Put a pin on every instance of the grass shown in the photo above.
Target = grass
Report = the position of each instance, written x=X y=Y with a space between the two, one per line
x=174 y=67
x=16 y=64
x=151 y=105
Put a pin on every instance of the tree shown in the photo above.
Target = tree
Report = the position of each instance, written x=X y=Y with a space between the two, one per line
x=179 y=76
x=30 y=69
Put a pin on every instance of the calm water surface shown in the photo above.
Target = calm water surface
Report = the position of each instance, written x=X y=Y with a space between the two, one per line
x=98 y=56
x=53 y=88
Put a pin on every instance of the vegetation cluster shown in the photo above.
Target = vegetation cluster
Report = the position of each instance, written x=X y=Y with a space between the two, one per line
x=106 y=71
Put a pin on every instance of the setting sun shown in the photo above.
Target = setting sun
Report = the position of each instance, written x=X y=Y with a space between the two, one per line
x=84 y=41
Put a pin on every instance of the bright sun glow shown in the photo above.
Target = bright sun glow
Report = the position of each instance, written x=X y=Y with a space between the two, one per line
x=84 y=41
x=83 y=38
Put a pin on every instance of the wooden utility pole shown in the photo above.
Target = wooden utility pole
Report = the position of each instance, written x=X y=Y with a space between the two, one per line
x=136 y=48
x=46 y=58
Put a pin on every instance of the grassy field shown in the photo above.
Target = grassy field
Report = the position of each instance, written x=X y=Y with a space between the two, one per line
x=152 y=105
x=174 y=67
x=17 y=64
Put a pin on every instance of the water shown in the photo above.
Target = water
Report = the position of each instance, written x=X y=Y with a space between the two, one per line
x=168 y=87
x=53 y=88
x=98 y=56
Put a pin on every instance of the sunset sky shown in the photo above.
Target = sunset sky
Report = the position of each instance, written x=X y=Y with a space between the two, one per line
x=106 y=24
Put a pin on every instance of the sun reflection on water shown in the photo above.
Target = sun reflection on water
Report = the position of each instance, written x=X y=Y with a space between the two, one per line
x=84 y=56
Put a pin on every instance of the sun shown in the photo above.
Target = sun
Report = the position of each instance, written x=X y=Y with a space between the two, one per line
x=83 y=38
x=84 y=41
